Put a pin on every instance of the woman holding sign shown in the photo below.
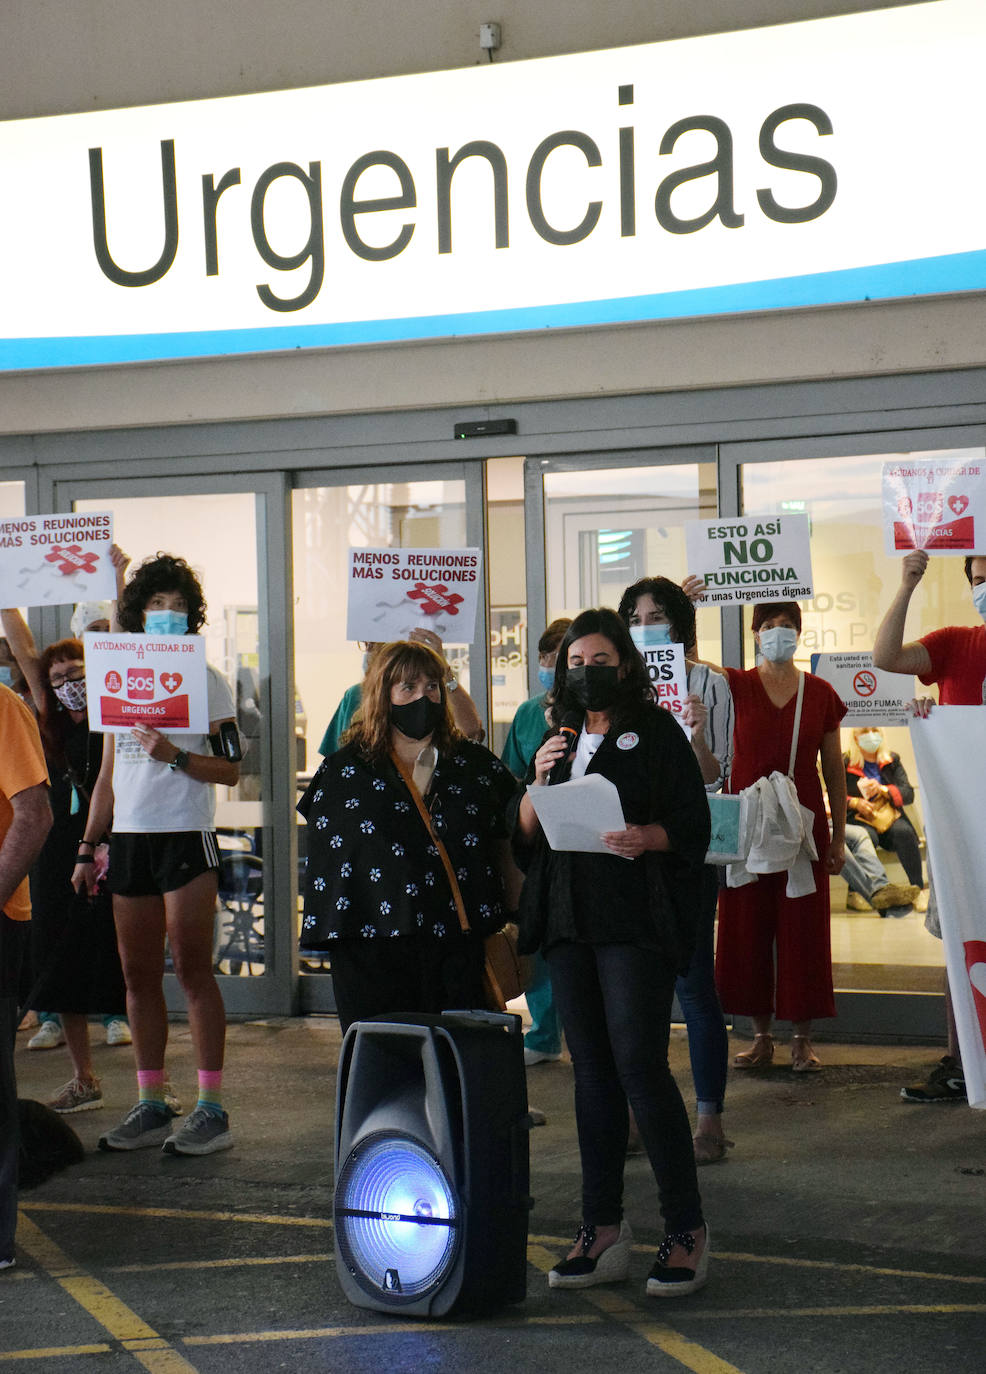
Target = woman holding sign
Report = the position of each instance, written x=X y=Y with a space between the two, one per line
x=753 y=918
x=659 y=612
x=159 y=793
x=616 y=927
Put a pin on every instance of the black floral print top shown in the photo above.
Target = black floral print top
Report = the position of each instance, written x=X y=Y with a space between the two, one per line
x=374 y=872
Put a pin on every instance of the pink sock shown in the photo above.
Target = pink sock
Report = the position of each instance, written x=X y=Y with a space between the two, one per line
x=211 y=1089
x=150 y=1083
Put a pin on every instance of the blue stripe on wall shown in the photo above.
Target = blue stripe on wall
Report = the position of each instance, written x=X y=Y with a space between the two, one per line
x=887 y=281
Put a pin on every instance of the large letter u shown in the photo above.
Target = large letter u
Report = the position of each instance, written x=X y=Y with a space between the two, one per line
x=119 y=275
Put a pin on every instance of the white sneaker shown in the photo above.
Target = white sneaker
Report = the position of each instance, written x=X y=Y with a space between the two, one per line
x=532 y=1057
x=48 y=1036
x=118 y=1032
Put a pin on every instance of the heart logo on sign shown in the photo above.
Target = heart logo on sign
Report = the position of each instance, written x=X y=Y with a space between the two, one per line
x=171 y=682
x=957 y=504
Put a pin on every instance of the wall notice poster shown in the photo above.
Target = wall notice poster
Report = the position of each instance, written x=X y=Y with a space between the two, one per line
x=949 y=747
x=56 y=560
x=157 y=680
x=746 y=559
x=394 y=591
x=872 y=696
x=935 y=504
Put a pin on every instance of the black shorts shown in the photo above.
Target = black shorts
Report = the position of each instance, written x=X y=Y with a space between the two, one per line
x=149 y=865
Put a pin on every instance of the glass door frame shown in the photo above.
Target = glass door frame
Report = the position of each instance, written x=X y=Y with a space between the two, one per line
x=314 y=990
x=275 y=992
x=860 y=1014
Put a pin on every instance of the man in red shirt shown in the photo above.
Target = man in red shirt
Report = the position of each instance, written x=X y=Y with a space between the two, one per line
x=25 y=819
x=954 y=658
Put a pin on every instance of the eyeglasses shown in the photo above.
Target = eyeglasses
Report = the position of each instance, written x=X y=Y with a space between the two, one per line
x=76 y=675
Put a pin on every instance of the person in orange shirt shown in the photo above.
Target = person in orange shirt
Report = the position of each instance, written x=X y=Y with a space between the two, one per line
x=25 y=819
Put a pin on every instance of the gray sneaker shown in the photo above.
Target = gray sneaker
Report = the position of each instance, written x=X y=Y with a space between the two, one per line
x=144 y=1126
x=201 y=1133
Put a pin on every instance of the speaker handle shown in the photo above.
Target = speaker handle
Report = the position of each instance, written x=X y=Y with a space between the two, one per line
x=508 y=1019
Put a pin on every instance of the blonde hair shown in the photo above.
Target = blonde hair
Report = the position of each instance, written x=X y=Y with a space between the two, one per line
x=856 y=759
x=391 y=663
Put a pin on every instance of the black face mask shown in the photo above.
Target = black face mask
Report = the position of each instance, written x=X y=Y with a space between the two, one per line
x=593 y=686
x=417 y=718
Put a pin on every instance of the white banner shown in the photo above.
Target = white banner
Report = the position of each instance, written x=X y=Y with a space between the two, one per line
x=872 y=697
x=935 y=504
x=746 y=559
x=803 y=164
x=57 y=559
x=157 y=680
x=394 y=591
x=667 y=671
x=949 y=747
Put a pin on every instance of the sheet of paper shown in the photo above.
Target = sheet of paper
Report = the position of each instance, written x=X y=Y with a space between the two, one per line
x=574 y=815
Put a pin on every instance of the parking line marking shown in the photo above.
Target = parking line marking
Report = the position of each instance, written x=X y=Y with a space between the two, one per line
x=391 y=1328
x=688 y=1353
x=880 y=1310
x=52 y=1352
x=177 y=1213
x=122 y=1323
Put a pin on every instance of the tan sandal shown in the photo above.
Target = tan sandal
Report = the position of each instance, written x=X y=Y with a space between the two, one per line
x=760 y=1056
x=804 y=1060
x=710 y=1149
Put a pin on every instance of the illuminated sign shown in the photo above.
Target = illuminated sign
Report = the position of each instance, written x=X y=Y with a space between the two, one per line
x=809 y=164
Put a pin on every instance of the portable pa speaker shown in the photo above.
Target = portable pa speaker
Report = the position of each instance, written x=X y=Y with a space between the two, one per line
x=432 y=1164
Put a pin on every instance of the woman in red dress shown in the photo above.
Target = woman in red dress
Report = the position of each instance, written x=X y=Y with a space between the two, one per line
x=755 y=918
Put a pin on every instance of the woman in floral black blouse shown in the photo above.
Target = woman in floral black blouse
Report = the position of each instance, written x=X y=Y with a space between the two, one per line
x=377 y=894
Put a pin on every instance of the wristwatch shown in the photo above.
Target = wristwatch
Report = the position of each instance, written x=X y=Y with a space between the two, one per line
x=179 y=762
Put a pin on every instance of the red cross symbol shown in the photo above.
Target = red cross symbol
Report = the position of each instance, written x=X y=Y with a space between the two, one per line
x=72 y=559
x=434 y=600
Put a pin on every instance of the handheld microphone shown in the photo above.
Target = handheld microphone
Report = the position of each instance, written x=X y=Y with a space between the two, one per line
x=570 y=729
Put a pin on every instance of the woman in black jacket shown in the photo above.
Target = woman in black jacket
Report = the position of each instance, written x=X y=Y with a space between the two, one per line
x=874 y=777
x=616 y=927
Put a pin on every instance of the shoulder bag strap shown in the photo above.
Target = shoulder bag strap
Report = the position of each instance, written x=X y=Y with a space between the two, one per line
x=797 y=725
x=418 y=800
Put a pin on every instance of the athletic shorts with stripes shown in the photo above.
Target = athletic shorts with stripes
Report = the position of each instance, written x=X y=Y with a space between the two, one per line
x=148 y=865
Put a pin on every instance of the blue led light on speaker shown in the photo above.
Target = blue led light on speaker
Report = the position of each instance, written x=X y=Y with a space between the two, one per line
x=396 y=1217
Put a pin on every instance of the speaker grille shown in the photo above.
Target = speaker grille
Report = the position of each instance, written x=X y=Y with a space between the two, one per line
x=396 y=1218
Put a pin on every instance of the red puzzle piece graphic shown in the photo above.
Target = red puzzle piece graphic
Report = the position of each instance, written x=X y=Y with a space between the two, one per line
x=72 y=560
x=436 y=599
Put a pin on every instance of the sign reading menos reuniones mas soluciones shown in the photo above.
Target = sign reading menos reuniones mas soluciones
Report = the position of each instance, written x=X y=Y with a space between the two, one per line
x=808 y=164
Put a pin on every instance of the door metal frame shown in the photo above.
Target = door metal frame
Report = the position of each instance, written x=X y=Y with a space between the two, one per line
x=275 y=992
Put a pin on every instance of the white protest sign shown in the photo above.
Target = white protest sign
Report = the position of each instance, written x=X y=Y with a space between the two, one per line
x=949 y=747
x=746 y=559
x=872 y=696
x=935 y=504
x=666 y=670
x=55 y=560
x=157 y=680
x=393 y=591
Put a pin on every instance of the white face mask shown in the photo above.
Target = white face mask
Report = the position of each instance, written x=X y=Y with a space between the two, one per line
x=778 y=643
x=870 y=741
x=979 y=599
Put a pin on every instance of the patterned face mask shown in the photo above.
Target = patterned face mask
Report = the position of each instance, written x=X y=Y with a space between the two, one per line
x=72 y=695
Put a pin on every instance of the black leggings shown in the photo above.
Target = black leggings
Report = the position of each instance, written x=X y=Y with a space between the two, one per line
x=615 y=1005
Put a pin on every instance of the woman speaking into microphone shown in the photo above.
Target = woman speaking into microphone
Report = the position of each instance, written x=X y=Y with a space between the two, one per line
x=616 y=928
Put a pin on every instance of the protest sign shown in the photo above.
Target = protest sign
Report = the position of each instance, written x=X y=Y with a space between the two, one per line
x=746 y=559
x=872 y=696
x=157 y=680
x=949 y=747
x=55 y=560
x=936 y=504
x=393 y=591
x=666 y=670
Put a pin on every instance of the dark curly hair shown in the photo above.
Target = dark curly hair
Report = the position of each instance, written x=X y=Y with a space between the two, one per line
x=667 y=597
x=634 y=691
x=162 y=573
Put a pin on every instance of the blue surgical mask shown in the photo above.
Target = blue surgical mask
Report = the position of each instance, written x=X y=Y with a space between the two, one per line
x=546 y=677
x=778 y=643
x=165 y=622
x=650 y=636
x=979 y=599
